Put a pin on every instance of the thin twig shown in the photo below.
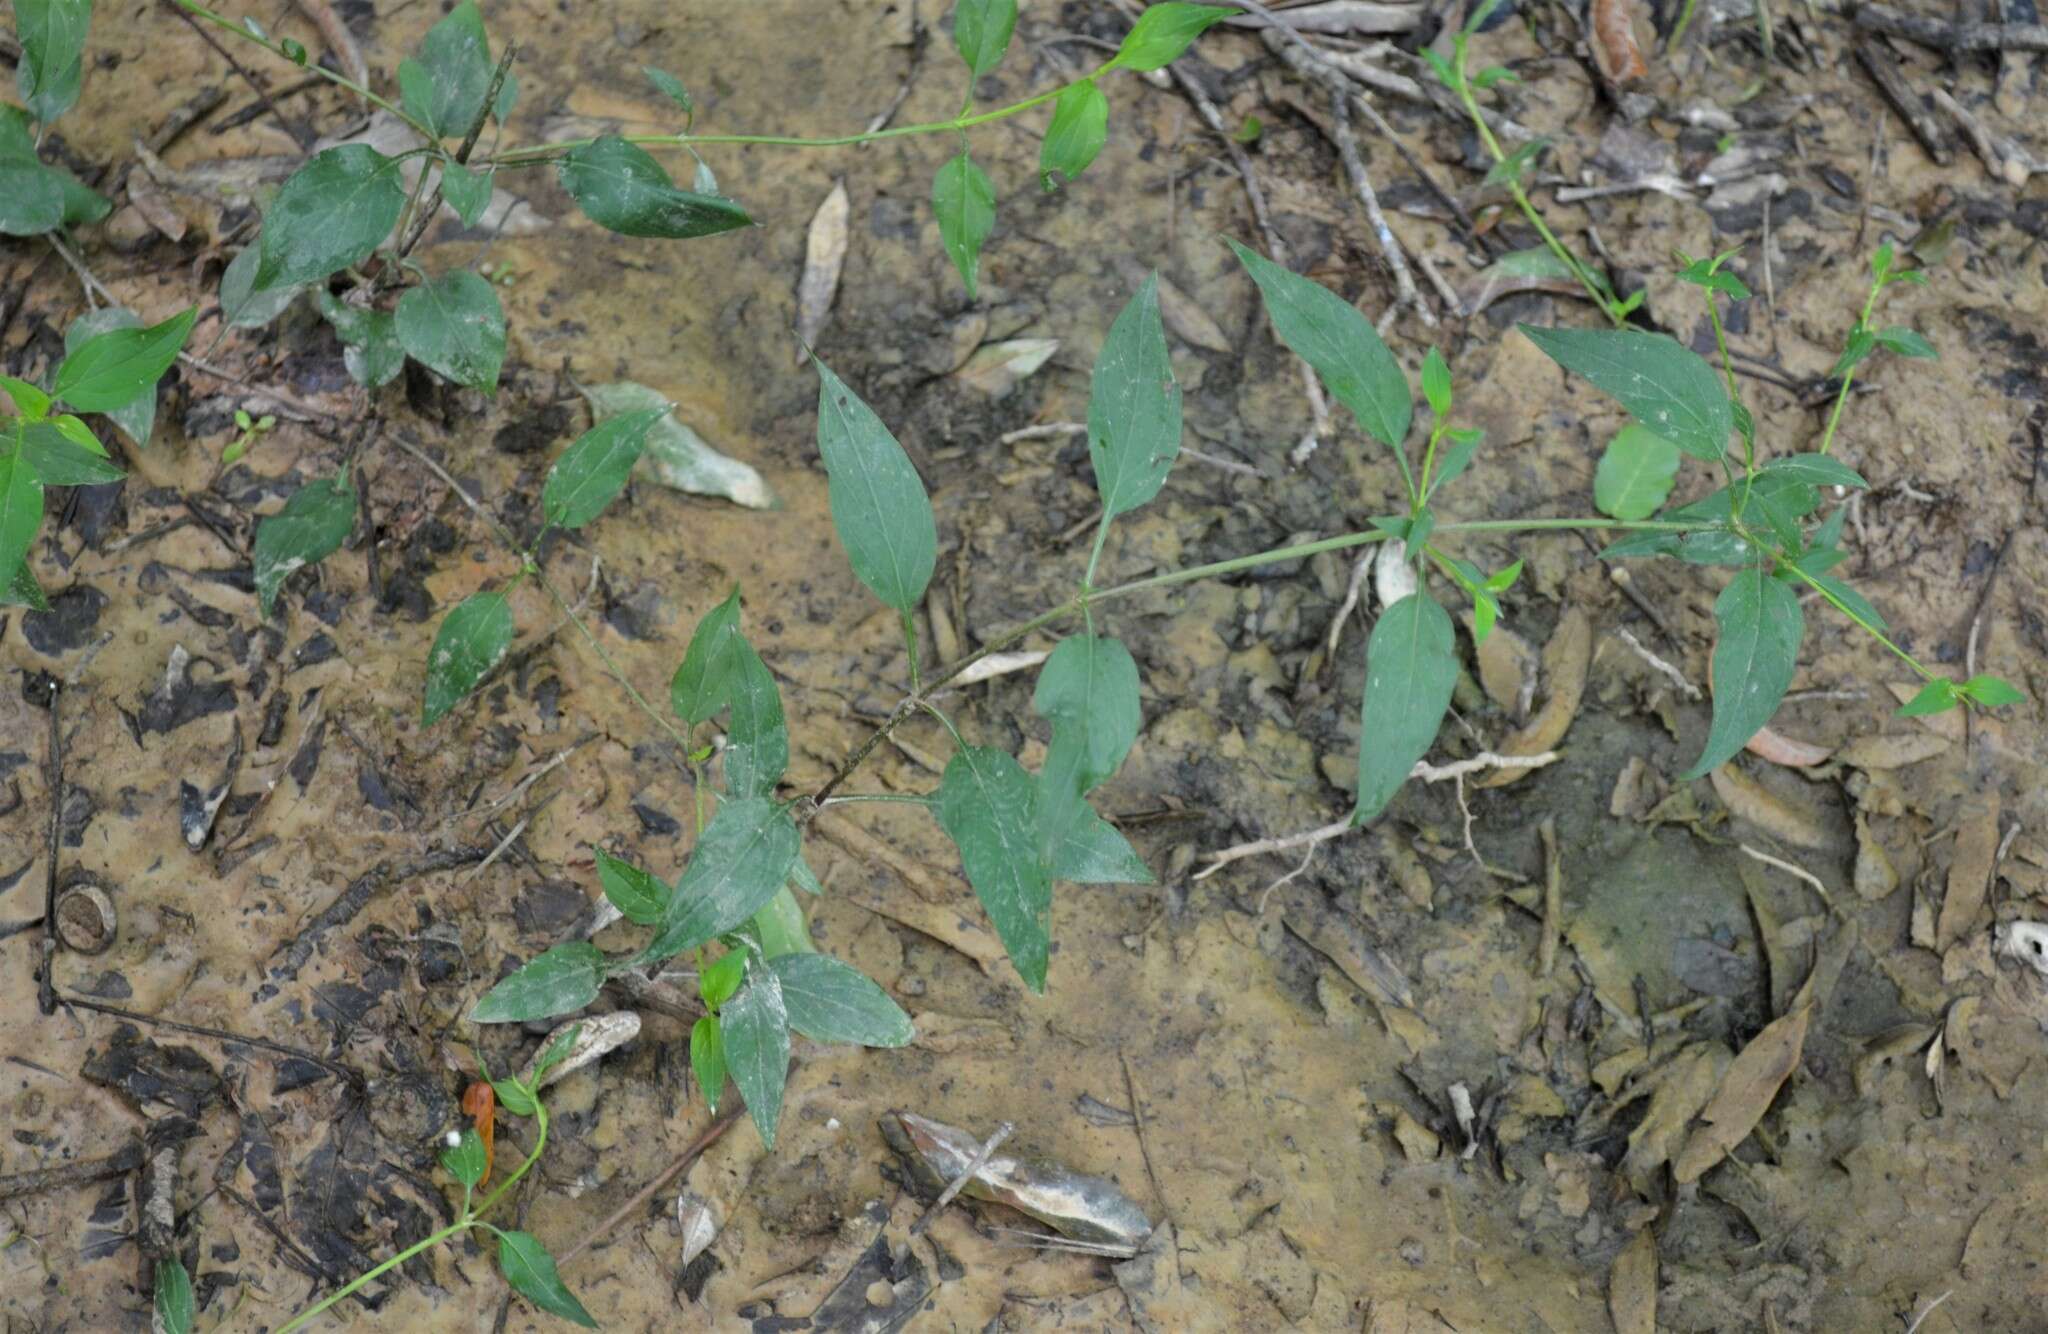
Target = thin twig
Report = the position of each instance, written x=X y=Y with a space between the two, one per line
x=46 y=989
x=1687 y=688
x=967 y=1174
x=1789 y=869
x=690 y=1154
x=353 y=1079
x=1145 y=1152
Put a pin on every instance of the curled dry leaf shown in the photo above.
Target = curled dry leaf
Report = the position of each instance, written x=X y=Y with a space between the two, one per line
x=1746 y=1093
x=676 y=455
x=1969 y=874
x=1888 y=1048
x=1778 y=749
x=995 y=368
x=1747 y=799
x=1565 y=659
x=1892 y=751
x=595 y=1037
x=1632 y=1286
x=824 y=256
x=1184 y=319
x=155 y=206
x=1393 y=578
x=1086 y=1208
x=1681 y=1090
x=1506 y=667
x=1875 y=876
x=1614 y=41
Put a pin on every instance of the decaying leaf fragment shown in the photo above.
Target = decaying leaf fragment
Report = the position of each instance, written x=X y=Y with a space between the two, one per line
x=1565 y=660
x=995 y=368
x=1781 y=749
x=1614 y=41
x=1969 y=875
x=1086 y=1208
x=1681 y=1090
x=595 y=1037
x=1632 y=1286
x=676 y=455
x=824 y=256
x=1746 y=1093
x=1747 y=799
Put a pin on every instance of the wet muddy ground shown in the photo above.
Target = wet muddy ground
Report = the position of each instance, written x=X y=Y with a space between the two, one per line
x=1269 y=1060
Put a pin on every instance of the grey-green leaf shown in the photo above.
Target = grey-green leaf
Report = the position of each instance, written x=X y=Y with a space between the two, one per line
x=465 y=1161
x=830 y=1001
x=987 y=806
x=981 y=31
x=1906 y=342
x=1635 y=473
x=1758 y=649
x=313 y=523
x=446 y=85
x=111 y=370
x=738 y=865
x=1080 y=127
x=1088 y=688
x=52 y=34
x=669 y=86
x=172 y=1299
x=456 y=326
x=467 y=192
x=1134 y=410
x=243 y=304
x=1410 y=666
x=594 y=469
x=703 y=682
x=369 y=340
x=879 y=506
x=757 y=739
x=333 y=212
x=1663 y=384
x=1817 y=469
x=531 y=1271
x=753 y=1029
x=58 y=460
x=640 y=896
x=560 y=980
x=1081 y=846
x=22 y=590
x=620 y=187
x=471 y=641
x=1340 y=343
x=966 y=207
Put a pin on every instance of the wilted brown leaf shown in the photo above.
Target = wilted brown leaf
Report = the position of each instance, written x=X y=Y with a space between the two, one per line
x=1746 y=1093
x=1565 y=659
x=1969 y=875
x=1682 y=1089
x=1632 y=1286
x=824 y=256
x=1614 y=41
x=1747 y=799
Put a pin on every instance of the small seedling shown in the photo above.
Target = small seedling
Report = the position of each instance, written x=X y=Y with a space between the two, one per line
x=252 y=430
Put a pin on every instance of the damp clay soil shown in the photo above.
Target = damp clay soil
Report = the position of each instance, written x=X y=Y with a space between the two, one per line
x=1564 y=1053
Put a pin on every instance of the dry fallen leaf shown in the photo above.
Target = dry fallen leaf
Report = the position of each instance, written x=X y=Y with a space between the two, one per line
x=1682 y=1089
x=1969 y=875
x=1188 y=321
x=1747 y=799
x=824 y=256
x=155 y=206
x=1887 y=1048
x=1614 y=41
x=1875 y=876
x=1505 y=662
x=1632 y=1286
x=1565 y=659
x=995 y=368
x=1892 y=751
x=1746 y=1093
x=1778 y=749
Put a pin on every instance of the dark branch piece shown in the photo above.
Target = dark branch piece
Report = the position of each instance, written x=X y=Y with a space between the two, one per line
x=63 y=1177
x=1883 y=70
x=1938 y=35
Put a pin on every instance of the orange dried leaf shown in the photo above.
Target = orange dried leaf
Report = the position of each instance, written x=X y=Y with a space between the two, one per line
x=1614 y=41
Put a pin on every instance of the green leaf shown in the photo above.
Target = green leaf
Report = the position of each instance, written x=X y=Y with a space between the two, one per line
x=465 y=1161
x=560 y=980
x=1436 y=383
x=1340 y=343
x=703 y=682
x=966 y=207
x=1862 y=342
x=738 y=865
x=829 y=1001
x=531 y=1271
x=1410 y=666
x=110 y=370
x=244 y=305
x=1419 y=529
x=29 y=401
x=669 y=86
x=1937 y=696
x=445 y=87
x=707 y=1059
x=57 y=460
x=1510 y=168
x=22 y=590
x=1080 y=127
x=333 y=212
x=986 y=806
x=981 y=31
x=594 y=469
x=879 y=506
x=1134 y=410
x=471 y=641
x=1715 y=547
x=1728 y=284
x=620 y=187
x=757 y=739
x=1635 y=473
x=173 y=1299
x=1080 y=846
x=640 y=896
x=52 y=34
x=21 y=510
x=137 y=416
x=1815 y=469
x=31 y=199
x=515 y=1097
x=754 y=1030
x=1492 y=75
x=718 y=983
x=1664 y=385
x=1464 y=444
x=369 y=340
x=1088 y=689
x=1898 y=338
x=1163 y=31
x=1761 y=626
x=467 y=192
x=455 y=325
x=313 y=523
x=1990 y=692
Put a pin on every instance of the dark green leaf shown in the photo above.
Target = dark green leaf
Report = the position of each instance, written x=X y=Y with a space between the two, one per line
x=640 y=896
x=1419 y=529
x=1717 y=546
x=1937 y=696
x=313 y=523
x=465 y=1161
x=244 y=305
x=52 y=34
x=445 y=87
x=1898 y=338
x=879 y=506
x=1779 y=501
x=594 y=469
x=172 y=1299
x=1134 y=411
x=829 y=1001
x=455 y=325
x=1088 y=689
x=333 y=212
x=1845 y=598
x=21 y=510
x=369 y=340
x=514 y=1097
x=32 y=195
x=987 y=806
x=22 y=590
x=966 y=207
x=1464 y=444
x=1436 y=383
x=1444 y=72
x=1081 y=846
x=136 y=417
x=111 y=370
x=1667 y=387
x=1754 y=658
x=531 y=1271
x=554 y=1054
x=738 y=865
x=620 y=187
x=1340 y=343
x=1492 y=75
x=703 y=682
x=1817 y=469
x=1410 y=666
x=1860 y=345
x=757 y=739
x=471 y=641
x=670 y=87
x=1163 y=31
x=981 y=31
x=561 y=980
x=467 y=192
x=1990 y=692
x=1080 y=126
x=1728 y=284
x=707 y=1059
x=1510 y=168
x=754 y=1030
x=57 y=460
x=1635 y=474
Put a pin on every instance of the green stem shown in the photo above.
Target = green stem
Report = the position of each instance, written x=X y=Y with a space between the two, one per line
x=314 y=67
x=1735 y=397
x=892 y=798
x=1867 y=628
x=910 y=644
x=611 y=665
x=1421 y=496
x=1827 y=439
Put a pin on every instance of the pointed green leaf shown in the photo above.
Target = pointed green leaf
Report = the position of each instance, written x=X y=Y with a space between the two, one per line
x=471 y=642
x=465 y=1161
x=22 y=590
x=172 y=1299
x=1436 y=382
x=717 y=983
x=1635 y=473
x=1464 y=444
x=1862 y=342
x=829 y=1001
x=703 y=682
x=560 y=980
x=1163 y=31
x=311 y=526
x=757 y=739
x=29 y=401
x=1906 y=343
x=1080 y=127
x=369 y=340
x=531 y=1271
x=1511 y=168
x=641 y=897
x=244 y=305
x=52 y=34
x=554 y=1054
x=1330 y=335
x=1134 y=406
x=707 y=1059
x=966 y=207
x=1664 y=385
x=456 y=326
x=754 y=1031
x=1845 y=599
x=1410 y=666
x=137 y=416
x=467 y=192
x=1088 y=689
x=1937 y=696
x=21 y=510
x=514 y=1097
x=738 y=865
x=110 y=370
x=987 y=807
x=981 y=32
x=445 y=87
x=1990 y=692
x=1761 y=626
x=333 y=212
x=879 y=506
x=620 y=187
x=57 y=460
x=1815 y=469
x=1082 y=847
x=594 y=469
x=669 y=86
